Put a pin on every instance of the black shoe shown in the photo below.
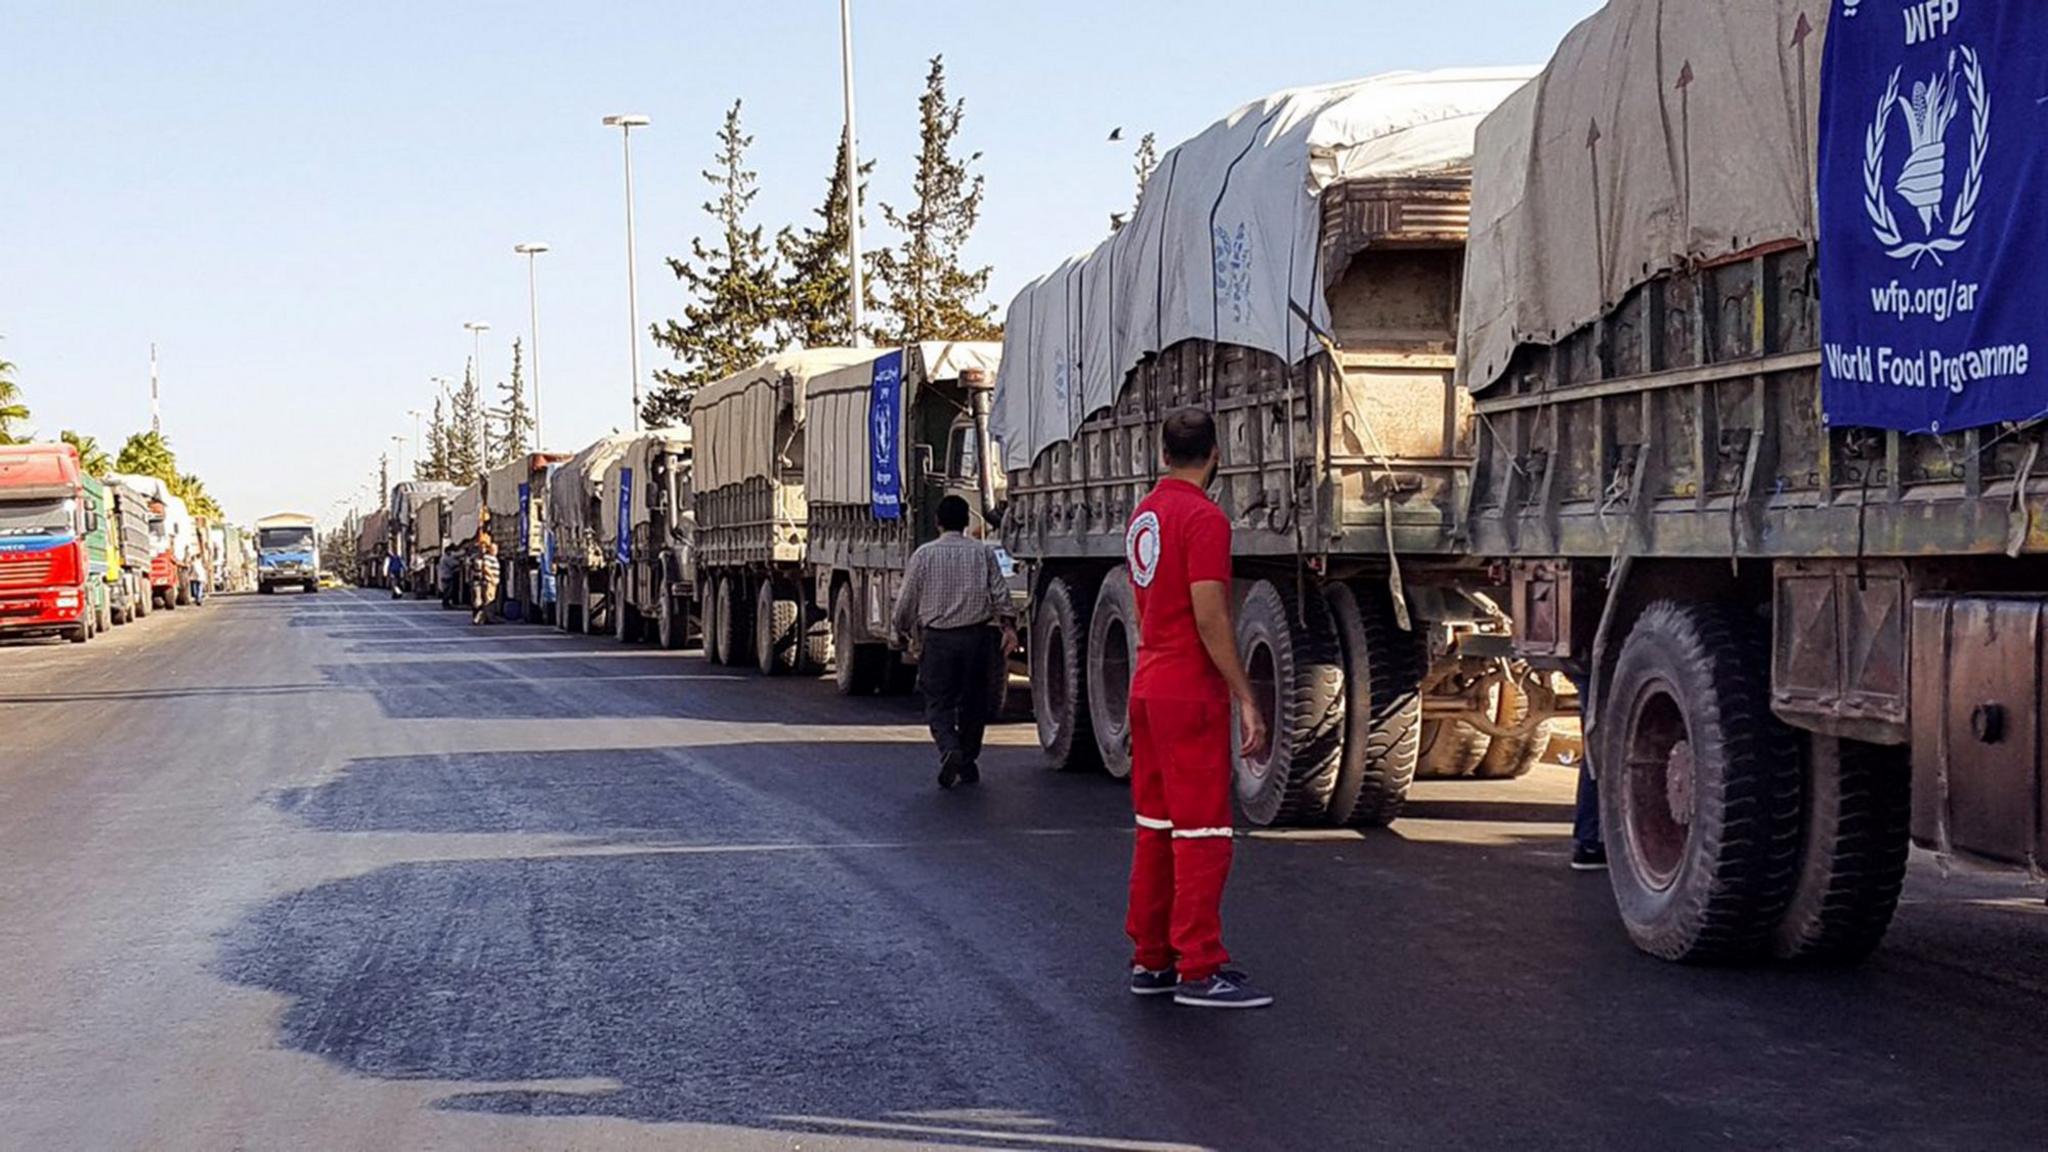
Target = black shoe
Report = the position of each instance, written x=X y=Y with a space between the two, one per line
x=1589 y=858
x=970 y=773
x=1223 y=990
x=949 y=770
x=1146 y=982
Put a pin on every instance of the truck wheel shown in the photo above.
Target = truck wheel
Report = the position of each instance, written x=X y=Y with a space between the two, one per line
x=714 y=623
x=1513 y=757
x=266 y=589
x=145 y=604
x=856 y=668
x=170 y=601
x=1853 y=858
x=1290 y=653
x=1383 y=669
x=775 y=639
x=1451 y=750
x=671 y=628
x=733 y=648
x=1699 y=786
x=1059 y=678
x=1112 y=661
x=817 y=646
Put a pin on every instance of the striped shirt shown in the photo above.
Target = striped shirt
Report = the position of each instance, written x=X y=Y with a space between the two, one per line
x=952 y=582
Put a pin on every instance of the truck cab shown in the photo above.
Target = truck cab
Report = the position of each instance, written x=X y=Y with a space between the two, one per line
x=45 y=517
x=287 y=553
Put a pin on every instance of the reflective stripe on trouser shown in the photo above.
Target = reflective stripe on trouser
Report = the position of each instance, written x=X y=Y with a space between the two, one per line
x=1180 y=787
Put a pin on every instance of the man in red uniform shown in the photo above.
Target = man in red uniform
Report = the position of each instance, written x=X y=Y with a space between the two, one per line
x=1189 y=675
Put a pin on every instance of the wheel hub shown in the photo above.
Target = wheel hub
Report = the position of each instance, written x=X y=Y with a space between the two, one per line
x=1678 y=782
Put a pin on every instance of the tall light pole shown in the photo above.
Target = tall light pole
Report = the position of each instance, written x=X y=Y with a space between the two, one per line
x=625 y=124
x=417 y=414
x=531 y=250
x=853 y=268
x=400 y=441
x=477 y=328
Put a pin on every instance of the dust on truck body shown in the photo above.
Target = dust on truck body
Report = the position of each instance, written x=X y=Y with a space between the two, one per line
x=885 y=441
x=651 y=522
x=753 y=521
x=1809 y=641
x=1295 y=271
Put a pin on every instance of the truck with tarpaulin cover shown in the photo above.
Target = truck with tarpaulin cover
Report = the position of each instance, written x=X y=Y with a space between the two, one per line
x=373 y=543
x=583 y=554
x=467 y=517
x=408 y=506
x=886 y=440
x=1294 y=270
x=752 y=517
x=516 y=495
x=432 y=540
x=651 y=521
x=1737 y=281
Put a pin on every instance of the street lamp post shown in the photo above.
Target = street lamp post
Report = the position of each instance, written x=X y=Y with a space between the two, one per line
x=477 y=328
x=417 y=414
x=531 y=250
x=852 y=176
x=625 y=124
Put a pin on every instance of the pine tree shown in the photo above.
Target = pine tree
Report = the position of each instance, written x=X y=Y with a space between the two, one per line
x=816 y=287
x=931 y=295
x=517 y=440
x=1146 y=164
x=435 y=466
x=731 y=290
x=465 y=430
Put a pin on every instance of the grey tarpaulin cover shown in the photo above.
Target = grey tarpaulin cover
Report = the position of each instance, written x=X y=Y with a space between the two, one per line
x=574 y=486
x=838 y=461
x=1224 y=240
x=1553 y=245
x=735 y=418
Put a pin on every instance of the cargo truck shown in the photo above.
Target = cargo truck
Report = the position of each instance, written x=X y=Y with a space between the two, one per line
x=652 y=524
x=752 y=519
x=1294 y=270
x=173 y=541
x=47 y=587
x=467 y=516
x=373 y=543
x=287 y=553
x=130 y=529
x=582 y=556
x=410 y=530
x=885 y=440
x=1806 y=601
x=516 y=495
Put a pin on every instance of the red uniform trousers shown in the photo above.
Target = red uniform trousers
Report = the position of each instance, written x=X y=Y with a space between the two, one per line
x=1180 y=789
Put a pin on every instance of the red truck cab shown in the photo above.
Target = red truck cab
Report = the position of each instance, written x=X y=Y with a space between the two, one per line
x=43 y=522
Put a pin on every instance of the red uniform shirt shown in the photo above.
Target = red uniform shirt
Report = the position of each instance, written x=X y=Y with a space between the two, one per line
x=1178 y=538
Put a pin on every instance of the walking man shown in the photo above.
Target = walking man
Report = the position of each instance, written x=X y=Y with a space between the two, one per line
x=394 y=571
x=483 y=583
x=1188 y=679
x=955 y=594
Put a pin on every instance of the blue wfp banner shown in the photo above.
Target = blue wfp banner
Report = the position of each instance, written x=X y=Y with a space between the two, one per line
x=1933 y=234
x=885 y=437
x=625 y=515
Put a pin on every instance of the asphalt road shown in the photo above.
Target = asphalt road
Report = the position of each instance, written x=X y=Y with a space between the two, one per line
x=329 y=872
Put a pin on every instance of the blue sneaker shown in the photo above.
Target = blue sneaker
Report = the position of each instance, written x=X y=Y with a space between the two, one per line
x=1145 y=982
x=1223 y=990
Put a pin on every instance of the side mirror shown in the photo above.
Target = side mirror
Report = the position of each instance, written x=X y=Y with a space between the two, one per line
x=925 y=466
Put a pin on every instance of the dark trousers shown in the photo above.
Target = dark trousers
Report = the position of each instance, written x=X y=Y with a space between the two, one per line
x=956 y=676
x=1586 y=807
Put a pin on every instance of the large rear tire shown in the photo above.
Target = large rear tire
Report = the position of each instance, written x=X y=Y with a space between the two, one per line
x=1856 y=839
x=1513 y=757
x=1112 y=661
x=1699 y=786
x=775 y=638
x=671 y=629
x=1289 y=648
x=1383 y=669
x=817 y=641
x=857 y=669
x=1059 y=677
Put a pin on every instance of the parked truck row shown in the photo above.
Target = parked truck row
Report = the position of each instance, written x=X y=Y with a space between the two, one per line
x=1523 y=427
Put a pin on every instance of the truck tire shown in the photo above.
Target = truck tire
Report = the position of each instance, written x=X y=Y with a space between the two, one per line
x=733 y=648
x=1513 y=757
x=1699 y=786
x=775 y=637
x=1112 y=661
x=817 y=645
x=718 y=637
x=1853 y=853
x=266 y=589
x=170 y=601
x=1383 y=669
x=145 y=603
x=1289 y=648
x=1451 y=750
x=857 y=669
x=1059 y=677
x=672 y=627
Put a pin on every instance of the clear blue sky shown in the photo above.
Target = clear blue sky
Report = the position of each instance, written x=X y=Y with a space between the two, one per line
x=301 y=204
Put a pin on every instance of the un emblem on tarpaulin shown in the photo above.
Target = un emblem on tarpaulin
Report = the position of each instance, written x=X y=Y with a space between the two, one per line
x=1923 y=181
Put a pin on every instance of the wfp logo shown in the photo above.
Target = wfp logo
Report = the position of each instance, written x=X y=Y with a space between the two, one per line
x=1922 y=182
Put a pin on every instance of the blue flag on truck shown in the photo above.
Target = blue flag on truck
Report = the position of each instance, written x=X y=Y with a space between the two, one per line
x=1933 y=233
x=625 y=547
x=885 y=437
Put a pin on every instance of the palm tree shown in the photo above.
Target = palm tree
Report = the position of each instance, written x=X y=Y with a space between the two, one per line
x=148 y=454
x=91 y=456
x=12 y=410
